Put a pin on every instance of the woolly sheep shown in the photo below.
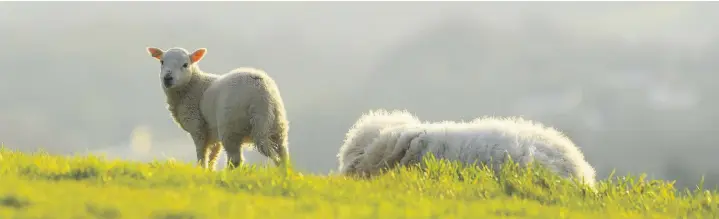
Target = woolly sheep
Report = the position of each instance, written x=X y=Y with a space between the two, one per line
x=366 y=129
x=485 y=140
x=229 y=111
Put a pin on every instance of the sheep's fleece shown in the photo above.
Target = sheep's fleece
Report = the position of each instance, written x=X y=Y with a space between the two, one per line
x=241 y=107
x=382 y=139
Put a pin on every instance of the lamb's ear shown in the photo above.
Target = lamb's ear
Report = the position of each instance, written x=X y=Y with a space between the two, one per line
x=155 y=52
x=197 y=55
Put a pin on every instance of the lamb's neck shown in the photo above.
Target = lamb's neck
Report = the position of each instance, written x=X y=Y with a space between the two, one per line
x=199 y=82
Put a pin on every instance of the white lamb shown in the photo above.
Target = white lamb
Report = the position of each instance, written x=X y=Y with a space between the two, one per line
x=485 y=140
x=239 y=108
x=366 y=130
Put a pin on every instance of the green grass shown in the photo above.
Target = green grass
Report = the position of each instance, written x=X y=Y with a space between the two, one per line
x=45 y=186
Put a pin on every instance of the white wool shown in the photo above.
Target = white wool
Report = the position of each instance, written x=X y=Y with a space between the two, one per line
x=366 y=129
x=484 y=140
x=242 y=107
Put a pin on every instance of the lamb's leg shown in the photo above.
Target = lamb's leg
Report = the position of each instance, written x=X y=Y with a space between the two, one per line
x=214 y=154
x=283 y=155
x=232 y=143
x=265 y=147
x=261 y=137
x=201 y=148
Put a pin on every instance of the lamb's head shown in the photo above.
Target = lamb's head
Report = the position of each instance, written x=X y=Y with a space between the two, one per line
x=176 y=65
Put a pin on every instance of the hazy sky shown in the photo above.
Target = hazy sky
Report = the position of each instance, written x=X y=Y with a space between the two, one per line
x=76 y=76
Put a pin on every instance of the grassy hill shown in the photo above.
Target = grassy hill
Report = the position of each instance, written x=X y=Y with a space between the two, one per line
x=44 y=186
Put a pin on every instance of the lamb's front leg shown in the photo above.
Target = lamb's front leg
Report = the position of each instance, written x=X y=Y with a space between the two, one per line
x=202 y=148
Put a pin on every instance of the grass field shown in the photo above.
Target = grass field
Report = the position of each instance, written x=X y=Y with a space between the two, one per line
x=44 y=186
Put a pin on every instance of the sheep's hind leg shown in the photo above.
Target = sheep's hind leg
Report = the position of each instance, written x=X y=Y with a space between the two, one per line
x=232 y=143
x=214 y=154
x=283 y=155
x=266 y=147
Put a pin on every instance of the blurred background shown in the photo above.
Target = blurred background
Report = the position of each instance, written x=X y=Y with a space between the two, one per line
x=633 y=84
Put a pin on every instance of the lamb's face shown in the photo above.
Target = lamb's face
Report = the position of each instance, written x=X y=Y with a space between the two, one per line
x=175 y=68
x=350 y=167
x=176 y=65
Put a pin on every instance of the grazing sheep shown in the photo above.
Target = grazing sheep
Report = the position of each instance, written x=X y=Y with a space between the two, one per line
x=235 y=109
x=365 y=130
x=485 y=140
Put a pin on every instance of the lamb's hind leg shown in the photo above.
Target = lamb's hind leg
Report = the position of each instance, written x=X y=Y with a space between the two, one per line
x=265 y=147
x=268 y=146
x=281 y=149
x=232 y=143
x=214 y=154
x=264 y=141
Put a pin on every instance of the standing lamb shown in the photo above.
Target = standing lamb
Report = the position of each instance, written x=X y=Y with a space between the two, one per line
x=485 y=140
x=239 y=108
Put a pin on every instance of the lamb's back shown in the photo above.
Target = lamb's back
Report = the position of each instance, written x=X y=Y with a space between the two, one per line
x=231 y=96
x=489 y=140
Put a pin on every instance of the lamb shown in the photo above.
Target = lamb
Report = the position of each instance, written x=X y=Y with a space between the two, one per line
x=365 y=130
x=240 y=108
x=485 y=140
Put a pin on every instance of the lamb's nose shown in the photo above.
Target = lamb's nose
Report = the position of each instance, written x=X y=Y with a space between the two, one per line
x=167 y=81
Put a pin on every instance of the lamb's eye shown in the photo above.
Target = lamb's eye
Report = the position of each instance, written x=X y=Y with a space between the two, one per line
x=184 y=65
